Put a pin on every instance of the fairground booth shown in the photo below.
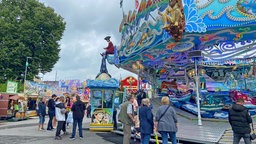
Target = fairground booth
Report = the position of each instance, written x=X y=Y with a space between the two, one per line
x=205 y=48
x=130 y=84
x=12 y=104
x=102 y=95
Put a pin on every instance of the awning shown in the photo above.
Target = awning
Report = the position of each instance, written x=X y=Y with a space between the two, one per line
x=15 y=97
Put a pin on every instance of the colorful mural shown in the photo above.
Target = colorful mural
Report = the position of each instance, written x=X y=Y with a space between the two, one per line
x=47 y=88
x=52 y=87
x=73 y=86
x=102 y=116
x=34 y=89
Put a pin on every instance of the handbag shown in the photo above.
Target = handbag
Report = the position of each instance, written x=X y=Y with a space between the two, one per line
x=70 y=117
x=156 y=136
x=164 y=113
x=253 y=135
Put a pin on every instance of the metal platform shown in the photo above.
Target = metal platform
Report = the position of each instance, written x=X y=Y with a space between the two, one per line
x=210 y=132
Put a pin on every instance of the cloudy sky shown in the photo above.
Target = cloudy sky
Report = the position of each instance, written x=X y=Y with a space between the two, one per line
x=87 y=23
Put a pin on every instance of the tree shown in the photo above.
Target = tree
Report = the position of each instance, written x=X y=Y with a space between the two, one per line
x=28 y=28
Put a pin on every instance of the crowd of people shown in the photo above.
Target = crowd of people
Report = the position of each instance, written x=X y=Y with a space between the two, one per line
x=165 y=121
x=135 y=112
x=139 y=110
x=62 y=111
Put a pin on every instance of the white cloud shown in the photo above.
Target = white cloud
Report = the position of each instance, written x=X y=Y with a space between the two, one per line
x=87 y=23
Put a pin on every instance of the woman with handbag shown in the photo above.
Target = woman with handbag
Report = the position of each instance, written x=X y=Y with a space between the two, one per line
x=146 y=121
x=166 y=121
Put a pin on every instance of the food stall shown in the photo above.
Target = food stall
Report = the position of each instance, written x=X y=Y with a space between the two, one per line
x=7 y=101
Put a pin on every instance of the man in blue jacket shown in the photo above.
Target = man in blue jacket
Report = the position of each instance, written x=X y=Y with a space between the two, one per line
x=240 y=119
x=51 y=111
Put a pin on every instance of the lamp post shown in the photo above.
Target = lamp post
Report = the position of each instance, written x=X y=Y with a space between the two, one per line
x=197 y=94
x=26 y=69
x=195 y=55
x=138 y=66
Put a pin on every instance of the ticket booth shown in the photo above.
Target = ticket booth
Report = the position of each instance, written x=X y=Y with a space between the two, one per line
x=102 y=95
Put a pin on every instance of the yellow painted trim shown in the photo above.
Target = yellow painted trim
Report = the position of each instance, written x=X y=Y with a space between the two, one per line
x=101 y=129
x=93 y=124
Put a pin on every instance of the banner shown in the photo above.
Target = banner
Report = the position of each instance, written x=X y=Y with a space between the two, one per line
x=34 y=89
x=12 y=87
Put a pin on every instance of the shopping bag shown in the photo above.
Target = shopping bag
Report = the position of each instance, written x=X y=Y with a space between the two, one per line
x=253 y=136
x=70 y=117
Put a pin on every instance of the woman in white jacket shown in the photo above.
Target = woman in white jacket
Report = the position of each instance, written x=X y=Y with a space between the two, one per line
x=60 y=111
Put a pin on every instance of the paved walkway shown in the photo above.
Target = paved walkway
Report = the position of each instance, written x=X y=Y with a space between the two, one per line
x=25 y=132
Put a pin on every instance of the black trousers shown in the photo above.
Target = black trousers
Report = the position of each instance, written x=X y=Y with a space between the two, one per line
x=51 y=115
x=59 y=127
x=114 y=120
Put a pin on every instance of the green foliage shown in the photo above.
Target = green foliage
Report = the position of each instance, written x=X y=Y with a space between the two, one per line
x=3 y=87
x=20 y=87
x=28 y=29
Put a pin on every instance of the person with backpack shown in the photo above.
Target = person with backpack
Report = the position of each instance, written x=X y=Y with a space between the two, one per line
x=51 y=111
x=60 y=117
x=78 y=110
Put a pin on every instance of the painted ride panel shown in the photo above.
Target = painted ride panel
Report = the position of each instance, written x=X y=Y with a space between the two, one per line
x=207 y=23
x=161 y=35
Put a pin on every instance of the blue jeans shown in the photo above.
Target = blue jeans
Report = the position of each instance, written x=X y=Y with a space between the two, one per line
x=145 y=138
x=51 y=115
x=237 y=137
x=79 y=123
x=165 y=134
x=41 y=119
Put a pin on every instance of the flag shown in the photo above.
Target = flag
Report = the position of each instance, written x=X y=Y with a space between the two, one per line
x=137 y=4
x=121 y=3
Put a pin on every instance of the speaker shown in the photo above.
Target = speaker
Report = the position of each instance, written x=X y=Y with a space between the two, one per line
x=195 y=53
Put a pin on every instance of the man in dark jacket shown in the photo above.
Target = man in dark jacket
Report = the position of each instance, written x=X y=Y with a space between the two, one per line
x=78 y=109
x=51 y=111
x=141 y=95
x=240 y=119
